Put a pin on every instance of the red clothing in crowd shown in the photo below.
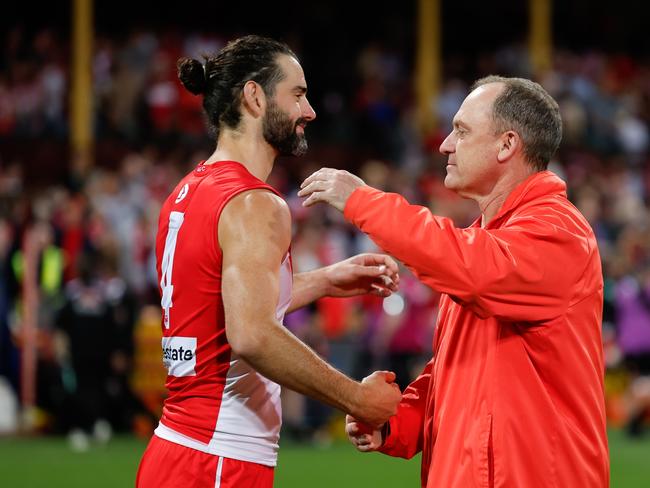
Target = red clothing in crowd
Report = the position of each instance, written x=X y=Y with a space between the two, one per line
x=514 y=394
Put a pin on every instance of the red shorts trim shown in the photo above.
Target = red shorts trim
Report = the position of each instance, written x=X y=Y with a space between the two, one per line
x=166 y=464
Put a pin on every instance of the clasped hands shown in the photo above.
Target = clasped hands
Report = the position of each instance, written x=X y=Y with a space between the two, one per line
x=366 y=435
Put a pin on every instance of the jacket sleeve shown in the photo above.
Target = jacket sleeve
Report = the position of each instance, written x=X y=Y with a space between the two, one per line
x=407 y=426
x=523 y=271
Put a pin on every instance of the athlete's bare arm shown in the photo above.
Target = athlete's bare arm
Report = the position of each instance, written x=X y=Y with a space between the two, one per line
x=358 y=275
x=254 y=234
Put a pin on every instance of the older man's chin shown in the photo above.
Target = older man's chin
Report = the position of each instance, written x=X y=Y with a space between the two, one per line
x=451 y=182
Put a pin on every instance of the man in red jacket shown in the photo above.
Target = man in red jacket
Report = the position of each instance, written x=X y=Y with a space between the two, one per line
x=514 y=394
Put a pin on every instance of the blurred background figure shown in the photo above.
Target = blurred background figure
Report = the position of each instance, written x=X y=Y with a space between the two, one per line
x=89 y=332
x=632 y=309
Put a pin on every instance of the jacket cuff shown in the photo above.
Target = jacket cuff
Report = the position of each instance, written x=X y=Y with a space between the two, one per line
x=388 y=440
x=355 y=200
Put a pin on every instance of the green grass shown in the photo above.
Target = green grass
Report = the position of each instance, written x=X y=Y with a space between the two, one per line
x=629 y=460
x=47 y=462
x=341 y=466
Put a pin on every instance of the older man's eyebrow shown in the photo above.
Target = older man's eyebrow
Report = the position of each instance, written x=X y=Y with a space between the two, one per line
x=459 y=123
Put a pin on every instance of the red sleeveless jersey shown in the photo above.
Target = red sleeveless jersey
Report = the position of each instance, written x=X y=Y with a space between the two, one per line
x=217 y=403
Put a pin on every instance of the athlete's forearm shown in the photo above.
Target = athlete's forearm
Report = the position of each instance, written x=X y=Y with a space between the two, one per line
x=308 y=287
x=277 y=354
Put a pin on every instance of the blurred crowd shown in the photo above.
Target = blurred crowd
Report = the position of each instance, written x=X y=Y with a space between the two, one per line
x=98 y=364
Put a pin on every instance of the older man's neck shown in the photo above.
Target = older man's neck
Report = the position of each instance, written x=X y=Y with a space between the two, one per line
x=491 y=204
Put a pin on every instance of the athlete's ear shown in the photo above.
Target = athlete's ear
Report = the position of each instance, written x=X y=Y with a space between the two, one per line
x=253 y=99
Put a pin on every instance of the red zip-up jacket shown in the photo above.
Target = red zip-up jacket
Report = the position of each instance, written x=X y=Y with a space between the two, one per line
x=514 y=393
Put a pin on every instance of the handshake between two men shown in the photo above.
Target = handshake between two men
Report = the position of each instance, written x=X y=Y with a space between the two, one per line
x=365 y=436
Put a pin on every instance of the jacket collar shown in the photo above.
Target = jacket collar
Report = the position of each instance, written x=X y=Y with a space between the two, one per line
x=540 y=184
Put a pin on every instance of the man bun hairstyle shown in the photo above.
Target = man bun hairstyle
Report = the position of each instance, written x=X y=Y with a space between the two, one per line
x=526 y=108
x=222 y=78
x=192 y=75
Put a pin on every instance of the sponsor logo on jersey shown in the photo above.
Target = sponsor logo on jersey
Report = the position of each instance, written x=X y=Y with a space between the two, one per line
x=179 y=355
x=183 y=193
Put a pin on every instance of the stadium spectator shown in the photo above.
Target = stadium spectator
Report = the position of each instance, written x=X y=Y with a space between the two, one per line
x=632 y=309
x=88 y=324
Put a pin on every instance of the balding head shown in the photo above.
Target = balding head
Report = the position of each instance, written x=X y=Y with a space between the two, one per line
x=525 y=107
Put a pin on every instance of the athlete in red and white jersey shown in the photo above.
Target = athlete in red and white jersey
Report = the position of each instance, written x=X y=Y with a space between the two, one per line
x=226 y=281
x=217 y=403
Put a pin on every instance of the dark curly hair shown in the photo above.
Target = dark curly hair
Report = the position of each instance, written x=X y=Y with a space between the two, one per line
x=223 y=77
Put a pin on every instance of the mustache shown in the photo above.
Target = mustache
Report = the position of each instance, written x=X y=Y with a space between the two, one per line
x=301 y=122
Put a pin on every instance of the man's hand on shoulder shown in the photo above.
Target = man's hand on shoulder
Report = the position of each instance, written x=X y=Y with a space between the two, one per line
x=331 y=186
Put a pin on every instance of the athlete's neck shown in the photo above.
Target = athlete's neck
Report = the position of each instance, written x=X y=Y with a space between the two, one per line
x=249 y=149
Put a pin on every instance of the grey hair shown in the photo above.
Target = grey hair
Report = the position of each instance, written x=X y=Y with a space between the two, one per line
x=526 y=108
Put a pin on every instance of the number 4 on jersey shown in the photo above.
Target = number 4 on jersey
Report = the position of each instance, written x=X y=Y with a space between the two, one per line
x=175 y=222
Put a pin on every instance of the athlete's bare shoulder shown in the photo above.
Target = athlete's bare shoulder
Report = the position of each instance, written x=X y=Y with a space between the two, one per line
x=258 y=203
x=256 y=214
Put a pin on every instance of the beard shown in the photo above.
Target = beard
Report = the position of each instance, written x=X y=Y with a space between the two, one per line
x=280 y=132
